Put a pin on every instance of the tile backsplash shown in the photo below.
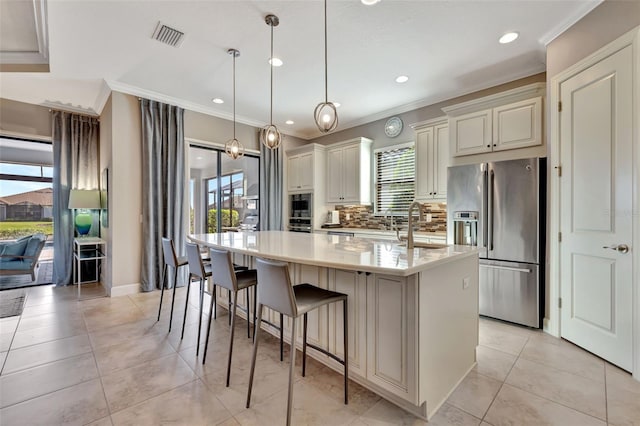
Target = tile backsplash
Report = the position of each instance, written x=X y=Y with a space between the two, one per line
x=363 y=217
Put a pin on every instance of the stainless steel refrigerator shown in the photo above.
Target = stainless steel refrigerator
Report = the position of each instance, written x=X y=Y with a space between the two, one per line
x=500 y=207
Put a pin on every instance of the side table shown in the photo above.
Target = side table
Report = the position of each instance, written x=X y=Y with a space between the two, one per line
x=84 y=249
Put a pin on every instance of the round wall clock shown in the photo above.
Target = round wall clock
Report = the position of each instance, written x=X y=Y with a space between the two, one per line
x=393 y=127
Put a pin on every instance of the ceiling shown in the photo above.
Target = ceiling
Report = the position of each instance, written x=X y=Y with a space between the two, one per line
x=447 y=48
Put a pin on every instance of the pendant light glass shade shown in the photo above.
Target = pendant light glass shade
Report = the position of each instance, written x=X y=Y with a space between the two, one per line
x=270 y=136
x=325 y=114
x=233 y=147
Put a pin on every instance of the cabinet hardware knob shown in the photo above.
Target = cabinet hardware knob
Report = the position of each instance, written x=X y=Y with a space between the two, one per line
x=488 y=146
x=495 y=144
x=367 y=273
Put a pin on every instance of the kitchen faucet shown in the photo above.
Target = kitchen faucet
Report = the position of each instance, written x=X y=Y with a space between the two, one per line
x=409 y=236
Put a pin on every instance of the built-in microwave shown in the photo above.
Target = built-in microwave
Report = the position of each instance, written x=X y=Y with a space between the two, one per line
x=301 y=205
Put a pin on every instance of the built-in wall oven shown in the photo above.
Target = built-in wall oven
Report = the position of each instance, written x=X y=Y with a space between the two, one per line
x=300 y=212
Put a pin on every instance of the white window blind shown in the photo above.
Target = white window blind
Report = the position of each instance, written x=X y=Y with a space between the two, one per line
x=395 y=178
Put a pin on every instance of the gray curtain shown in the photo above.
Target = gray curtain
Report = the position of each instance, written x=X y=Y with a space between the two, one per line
x=270 y=189
x=75 y=166
x=164 y=198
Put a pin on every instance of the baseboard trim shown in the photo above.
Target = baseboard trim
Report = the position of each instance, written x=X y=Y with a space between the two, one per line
x=124 y=290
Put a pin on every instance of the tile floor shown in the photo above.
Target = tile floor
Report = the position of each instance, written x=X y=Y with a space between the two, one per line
x=108 y=362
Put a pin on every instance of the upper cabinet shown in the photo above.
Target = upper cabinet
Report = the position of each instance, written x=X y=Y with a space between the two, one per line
x=304 y=168
x=349 y=172
x=432 y=159
x=507 y=120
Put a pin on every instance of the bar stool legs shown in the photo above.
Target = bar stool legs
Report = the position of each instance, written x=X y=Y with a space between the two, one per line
x=164 y=277
x=173 y=298
x=186 y=307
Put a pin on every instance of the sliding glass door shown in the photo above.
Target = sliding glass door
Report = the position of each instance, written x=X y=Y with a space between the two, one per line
x=224 y=192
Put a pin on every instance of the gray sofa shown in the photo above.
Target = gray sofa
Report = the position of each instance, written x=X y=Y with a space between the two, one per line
x=20 y=257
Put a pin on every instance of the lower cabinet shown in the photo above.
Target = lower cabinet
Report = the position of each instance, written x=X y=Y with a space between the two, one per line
x=392 y=335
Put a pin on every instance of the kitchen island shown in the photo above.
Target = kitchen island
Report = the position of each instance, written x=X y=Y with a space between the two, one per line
x=413 y=314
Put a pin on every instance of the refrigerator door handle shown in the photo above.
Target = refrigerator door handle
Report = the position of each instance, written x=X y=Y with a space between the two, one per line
x=485 y=208
x=508 y=268
x=490 y=209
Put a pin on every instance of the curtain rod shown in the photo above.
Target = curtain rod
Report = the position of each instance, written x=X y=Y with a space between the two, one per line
x=96 y=117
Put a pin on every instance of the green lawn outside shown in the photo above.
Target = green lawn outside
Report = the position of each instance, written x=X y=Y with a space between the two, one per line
x=10 y=230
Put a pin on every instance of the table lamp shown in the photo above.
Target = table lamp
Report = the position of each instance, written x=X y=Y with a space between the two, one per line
x=84 y=200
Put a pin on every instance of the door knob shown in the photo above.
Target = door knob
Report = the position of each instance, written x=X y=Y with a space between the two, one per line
x=621 y=248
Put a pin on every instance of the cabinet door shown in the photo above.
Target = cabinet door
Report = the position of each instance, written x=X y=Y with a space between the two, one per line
x=423 y=147
x=440 y=160
x=391 y=335
x=471 y=133
x=305 y=171
x=317 y=319
x=351 y=174
x=518 y=125
x=334 y=175
x=293 y=167
x=354 y=285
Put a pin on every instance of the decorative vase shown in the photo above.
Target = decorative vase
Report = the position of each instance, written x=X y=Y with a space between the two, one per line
x=83 y=222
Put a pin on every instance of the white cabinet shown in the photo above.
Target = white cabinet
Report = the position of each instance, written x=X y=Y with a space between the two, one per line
x=305 y=166
x=432 y=159
x=503 y=121
x=392 y=335
x=349 y=172
x=353 y=284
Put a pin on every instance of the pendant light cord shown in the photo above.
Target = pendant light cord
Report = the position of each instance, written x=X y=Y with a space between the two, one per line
x=234 y=95
x=326 y=83
x=271 y=62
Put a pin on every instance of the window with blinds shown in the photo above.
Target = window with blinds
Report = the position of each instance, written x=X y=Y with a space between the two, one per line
x=395 y=172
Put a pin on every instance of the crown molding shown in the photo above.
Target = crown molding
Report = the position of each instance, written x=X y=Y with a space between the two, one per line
x=70 y=108
x=102 y=98
x=582 y=10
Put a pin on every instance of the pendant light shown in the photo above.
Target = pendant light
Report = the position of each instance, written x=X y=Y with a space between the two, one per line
x=325 y=114
x=233 y=147
x=270 y=135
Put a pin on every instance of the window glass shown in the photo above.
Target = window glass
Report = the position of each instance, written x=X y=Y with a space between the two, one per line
x=395 y=174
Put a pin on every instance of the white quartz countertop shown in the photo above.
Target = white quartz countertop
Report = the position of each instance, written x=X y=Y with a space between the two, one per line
x=332 y=251
x=418 y=235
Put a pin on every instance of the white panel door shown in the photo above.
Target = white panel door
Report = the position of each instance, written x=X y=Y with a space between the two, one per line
x=424 y=185
x=293 y=180
x=471 y=133
x=517 y=125
x=305 y=171
x=351 y=174
x=596 y=205
x=334 y=175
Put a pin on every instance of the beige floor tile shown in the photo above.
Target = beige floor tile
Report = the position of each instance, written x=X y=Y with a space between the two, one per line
x=71 y=319
x=501 y=340
x=9 y=324
x=105 y=421
x=516 y=407
x=493 y=363
x=448 y=415
x=192 y=404
x=229 y=422
x=125 y=332
x=76 y=405
x=474 y=394
x=385 y=413
x=489 y=323
x=131 y=352
x=128 y=387
x=97 y=320
x=623 y=397
x=3 y=356
x=577 y=392
x=47 y=334
x=36 y=381
x=59 y=307
x=43 y=353
x=270 y=377
x=5 y=341
x=310 y=407
x=564 y=356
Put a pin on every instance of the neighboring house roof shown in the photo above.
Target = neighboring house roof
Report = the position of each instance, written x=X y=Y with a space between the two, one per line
x=42 y=197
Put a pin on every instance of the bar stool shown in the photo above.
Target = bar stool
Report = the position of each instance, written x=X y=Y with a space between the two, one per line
x=276 y=292
x=198 y=269
x=170 y=260
x=225 y=276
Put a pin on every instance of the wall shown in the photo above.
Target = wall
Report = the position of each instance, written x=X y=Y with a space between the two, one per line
x=125 y=198
x=106 y=140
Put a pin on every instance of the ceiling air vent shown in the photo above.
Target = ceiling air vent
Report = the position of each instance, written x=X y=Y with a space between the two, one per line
x=168 y=35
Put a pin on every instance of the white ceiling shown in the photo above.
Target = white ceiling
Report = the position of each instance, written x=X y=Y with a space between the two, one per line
x=447 y=48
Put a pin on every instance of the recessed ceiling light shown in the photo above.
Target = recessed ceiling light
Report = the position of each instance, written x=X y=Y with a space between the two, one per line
x=289 y=121
x=369 y=2
x=276 y=62
x=402 y=79
x=336 y=104
x=508 y=38
x=217 y=101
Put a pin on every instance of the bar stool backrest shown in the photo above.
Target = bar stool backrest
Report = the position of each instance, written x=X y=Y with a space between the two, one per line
x=196 y=267
x=222 y=267
x=169 y=252
x=274 y=287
